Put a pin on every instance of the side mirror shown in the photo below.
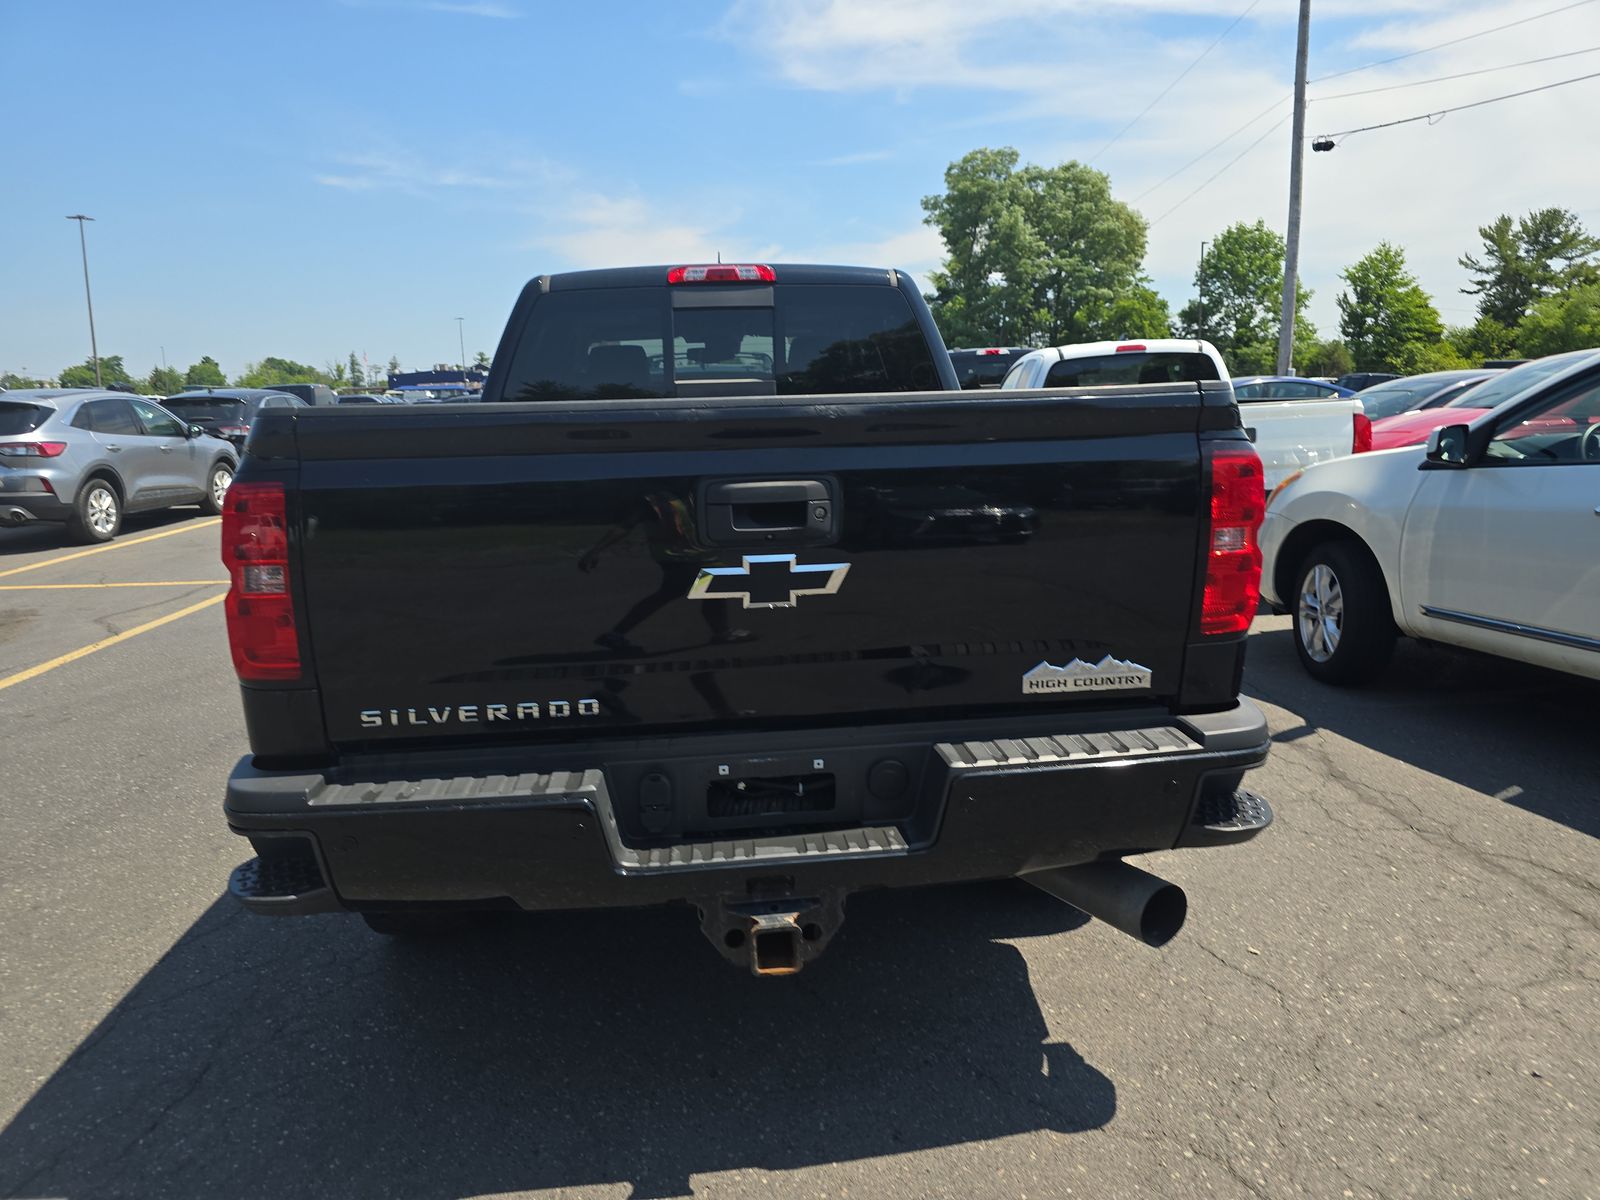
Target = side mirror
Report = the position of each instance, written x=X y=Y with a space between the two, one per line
x=1447 y=446
x=194 y=431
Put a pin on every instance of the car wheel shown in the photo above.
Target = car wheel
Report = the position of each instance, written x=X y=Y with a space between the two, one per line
x=97 y=513
x=217 y=485
x=1343 y=629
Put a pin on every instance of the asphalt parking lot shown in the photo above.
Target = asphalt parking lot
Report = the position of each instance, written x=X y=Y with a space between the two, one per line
x=1394 y=992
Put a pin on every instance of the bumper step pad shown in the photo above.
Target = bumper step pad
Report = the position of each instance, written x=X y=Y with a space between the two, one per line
x=1068 y=747
x=1225 y=818
x=290 y=886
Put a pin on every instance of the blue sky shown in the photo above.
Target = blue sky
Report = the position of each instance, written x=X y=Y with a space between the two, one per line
x=311 y=177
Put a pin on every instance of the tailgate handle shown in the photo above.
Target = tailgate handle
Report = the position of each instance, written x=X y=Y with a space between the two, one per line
x=783 y=512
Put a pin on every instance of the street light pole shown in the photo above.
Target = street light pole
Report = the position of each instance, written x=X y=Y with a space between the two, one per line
x=461 y=340
x=1291 y=257
x=83 y=245
x=1200 y=286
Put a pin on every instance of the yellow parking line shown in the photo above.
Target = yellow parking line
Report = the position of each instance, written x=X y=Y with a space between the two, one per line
x=69 y=587
x=149 y=537
x=84 y=651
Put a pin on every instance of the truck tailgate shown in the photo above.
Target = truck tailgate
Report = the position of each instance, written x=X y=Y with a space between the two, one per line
x=523 y=571
x=1293 y=434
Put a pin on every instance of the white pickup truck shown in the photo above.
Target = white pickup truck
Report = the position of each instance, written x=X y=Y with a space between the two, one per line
x=1290 y=435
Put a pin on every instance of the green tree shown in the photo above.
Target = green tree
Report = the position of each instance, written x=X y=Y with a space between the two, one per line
x=1385 y=316
x=1331 y=358
x=205 y=373
x=394 y=365
x=1570 y=321
x=1546 y=252
x=1483 y=340
x=82 y=375
x=334 y=373
x=11 y=380
x=1036 y=255
x=358 y=377
x=164 y=381
x=480 y=360
x=278 y=370
x=1240 y=286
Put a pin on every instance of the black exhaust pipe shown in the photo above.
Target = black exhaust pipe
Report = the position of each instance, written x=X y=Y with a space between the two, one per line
x=14 y=516
x=1124 y=897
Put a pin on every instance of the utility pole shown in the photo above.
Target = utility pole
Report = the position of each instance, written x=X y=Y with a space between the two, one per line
x=461 y=340
x=1291 y=257
x=94 y=348
x=1200 y=286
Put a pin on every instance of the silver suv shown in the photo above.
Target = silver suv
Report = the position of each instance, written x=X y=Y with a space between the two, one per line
x=87 y=457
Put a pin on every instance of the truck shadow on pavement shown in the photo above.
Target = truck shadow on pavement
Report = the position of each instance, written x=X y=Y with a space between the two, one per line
x=1518 y=733
x=311 y=1058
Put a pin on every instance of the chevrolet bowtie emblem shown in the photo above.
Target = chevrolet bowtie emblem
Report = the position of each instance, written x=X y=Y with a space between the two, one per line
x=768 y=581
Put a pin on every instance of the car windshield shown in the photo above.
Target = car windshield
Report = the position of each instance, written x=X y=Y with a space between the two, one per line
x=1393 y=398
x=16 y=417
x=206 y=408
x=1102 y=370
x=983 y=368
x=1494 y=391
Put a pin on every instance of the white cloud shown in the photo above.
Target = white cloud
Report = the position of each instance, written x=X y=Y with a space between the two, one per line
x=1426 y=188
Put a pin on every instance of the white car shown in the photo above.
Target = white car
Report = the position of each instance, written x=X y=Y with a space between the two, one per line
x=1488 y=538
x=1288 y=434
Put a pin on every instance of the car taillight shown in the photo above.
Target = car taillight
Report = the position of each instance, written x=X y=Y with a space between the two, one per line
x=1130 y=348
x=722 y=273
x=1233 y=555
x=233 y=430
x=32 y=449
x=1362 y=442
x=255 y=549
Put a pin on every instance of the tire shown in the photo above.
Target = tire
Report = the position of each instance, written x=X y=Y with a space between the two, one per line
x=1343 y=629
x=211 y=502
x=96 y=513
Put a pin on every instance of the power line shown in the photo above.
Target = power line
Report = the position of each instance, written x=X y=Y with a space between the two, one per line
x=1118 y=136
x=1430 y=116
x=1455 y=41
x=1270 y=131
x=1211 y=150
x=1527 y=62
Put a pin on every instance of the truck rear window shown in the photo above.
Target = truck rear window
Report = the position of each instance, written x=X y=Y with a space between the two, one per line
x=212 y=408
x=16 y=417
x=623 y=343
x=1132 y=367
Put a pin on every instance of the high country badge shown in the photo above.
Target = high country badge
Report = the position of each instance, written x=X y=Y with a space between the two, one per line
x=1107 y=675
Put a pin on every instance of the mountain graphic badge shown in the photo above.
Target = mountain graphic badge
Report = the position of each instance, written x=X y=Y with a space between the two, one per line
x=1107 y=675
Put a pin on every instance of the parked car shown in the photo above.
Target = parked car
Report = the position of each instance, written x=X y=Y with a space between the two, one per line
x=1487 y=540
x=1415 y=392
x=1287 y=387
x=678 y=644
x=365 y=398
x=1413 y=428
x=229 y=412
x=1359 y=381
x=311 y=393
x=1288 y=434
x=87 y=457
x=984 y=368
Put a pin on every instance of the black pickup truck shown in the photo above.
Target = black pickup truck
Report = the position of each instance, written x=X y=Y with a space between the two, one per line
x=725 y=593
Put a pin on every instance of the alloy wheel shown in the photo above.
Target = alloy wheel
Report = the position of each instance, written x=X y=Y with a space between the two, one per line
x=1319 y=614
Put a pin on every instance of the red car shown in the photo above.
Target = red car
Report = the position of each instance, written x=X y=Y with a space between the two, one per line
x=1413 y=428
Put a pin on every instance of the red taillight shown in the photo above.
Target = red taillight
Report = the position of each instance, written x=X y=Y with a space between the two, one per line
x=32 y=449
x=1362 y=442
x=255 y=549
x=1233 y=558
x=1129 y=347
x=722 y=273
x=233 y=430
x=994 y=350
